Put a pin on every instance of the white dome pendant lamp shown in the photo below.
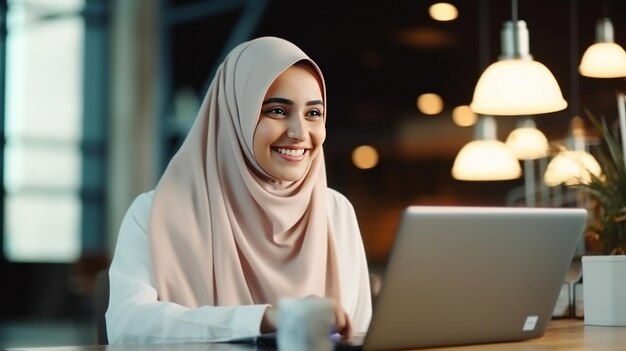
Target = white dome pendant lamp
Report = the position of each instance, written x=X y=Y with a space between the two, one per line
x=516 y=84
x=486 y=158
x=605 y=58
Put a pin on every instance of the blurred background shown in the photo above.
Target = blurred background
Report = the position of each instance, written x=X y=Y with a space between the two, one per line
x=97 y=96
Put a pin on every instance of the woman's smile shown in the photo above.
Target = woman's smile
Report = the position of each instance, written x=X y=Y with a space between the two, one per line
x=290 y=154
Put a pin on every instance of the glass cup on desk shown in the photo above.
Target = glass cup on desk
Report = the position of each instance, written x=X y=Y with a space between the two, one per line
x=305 y=324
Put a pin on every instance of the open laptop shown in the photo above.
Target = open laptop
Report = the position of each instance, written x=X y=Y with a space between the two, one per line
x=471 y=275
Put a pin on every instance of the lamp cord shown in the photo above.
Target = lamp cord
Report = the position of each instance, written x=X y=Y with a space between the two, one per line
x=514 y=11
x=515 y=38
x=483 y=35
x=574 y=105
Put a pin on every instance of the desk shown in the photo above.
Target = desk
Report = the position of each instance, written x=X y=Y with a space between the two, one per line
x=567 y=334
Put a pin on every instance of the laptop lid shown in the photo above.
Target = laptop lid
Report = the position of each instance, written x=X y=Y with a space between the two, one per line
x=469 y=275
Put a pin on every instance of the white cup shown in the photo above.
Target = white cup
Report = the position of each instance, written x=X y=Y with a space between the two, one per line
x=305 y=324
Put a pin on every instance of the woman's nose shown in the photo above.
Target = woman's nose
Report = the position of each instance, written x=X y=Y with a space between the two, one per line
x=296 y=129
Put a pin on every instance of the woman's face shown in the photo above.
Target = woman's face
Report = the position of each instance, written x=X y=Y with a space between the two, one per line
x=290 y=130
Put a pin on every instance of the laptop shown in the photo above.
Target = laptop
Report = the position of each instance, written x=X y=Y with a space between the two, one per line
x=472 y=275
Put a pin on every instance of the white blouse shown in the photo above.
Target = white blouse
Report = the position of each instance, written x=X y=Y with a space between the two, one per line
x=135 y=315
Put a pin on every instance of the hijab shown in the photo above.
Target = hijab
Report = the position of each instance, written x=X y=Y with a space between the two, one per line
x=222 y=231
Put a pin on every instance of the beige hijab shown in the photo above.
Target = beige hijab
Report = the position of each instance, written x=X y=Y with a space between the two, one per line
x=222 y=231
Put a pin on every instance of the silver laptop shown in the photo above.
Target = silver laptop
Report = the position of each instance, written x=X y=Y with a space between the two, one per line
x=471 y=275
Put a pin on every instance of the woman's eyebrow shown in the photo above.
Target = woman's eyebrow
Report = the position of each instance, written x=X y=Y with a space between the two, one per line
x=315 y=102
x=279 y=100
x=290 y=102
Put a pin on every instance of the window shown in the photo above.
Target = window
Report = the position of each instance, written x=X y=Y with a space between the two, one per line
x=43 y=130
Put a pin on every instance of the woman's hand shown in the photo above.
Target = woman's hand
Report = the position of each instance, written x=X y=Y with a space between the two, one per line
x=342 y=323
x=269 y=320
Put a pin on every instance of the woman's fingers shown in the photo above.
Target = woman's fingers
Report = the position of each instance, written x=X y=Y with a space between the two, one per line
x=343 y=325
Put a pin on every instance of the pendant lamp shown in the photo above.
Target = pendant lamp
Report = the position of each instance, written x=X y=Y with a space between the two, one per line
x=572 y=167
x=486 y=158
x=605 y=58
x=516 y=84
x=528 y=142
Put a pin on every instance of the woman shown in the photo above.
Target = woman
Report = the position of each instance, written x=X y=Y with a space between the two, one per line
x=242 y=216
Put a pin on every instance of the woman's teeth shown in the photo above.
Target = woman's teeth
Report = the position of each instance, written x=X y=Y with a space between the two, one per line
x=290 y=152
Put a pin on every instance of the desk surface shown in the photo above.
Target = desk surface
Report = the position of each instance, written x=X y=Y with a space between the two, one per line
x=571 y=335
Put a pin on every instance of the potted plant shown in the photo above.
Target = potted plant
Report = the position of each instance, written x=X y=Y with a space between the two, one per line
x=604 y=272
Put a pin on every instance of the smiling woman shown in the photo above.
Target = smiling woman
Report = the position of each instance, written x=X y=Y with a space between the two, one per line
x=242 y=217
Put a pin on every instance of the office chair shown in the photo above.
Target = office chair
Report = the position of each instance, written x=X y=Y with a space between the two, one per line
x=101 y=303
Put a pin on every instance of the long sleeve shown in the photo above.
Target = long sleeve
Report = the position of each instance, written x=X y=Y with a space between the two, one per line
x=136 y=316
x=354 y=273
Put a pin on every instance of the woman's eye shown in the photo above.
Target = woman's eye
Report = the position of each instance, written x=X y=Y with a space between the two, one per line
x=276 y=111
x=315 y=113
